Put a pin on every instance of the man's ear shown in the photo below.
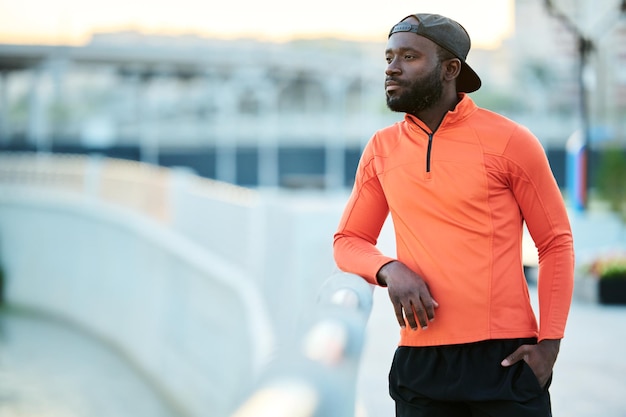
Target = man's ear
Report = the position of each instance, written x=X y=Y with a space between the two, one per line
x=451 y=68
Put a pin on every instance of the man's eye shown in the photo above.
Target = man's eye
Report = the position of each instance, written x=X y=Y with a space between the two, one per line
x=409 y=56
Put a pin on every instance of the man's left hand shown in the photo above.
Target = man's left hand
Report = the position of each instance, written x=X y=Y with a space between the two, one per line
x=540 y=357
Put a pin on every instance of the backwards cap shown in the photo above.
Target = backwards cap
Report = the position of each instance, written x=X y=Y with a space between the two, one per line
x=449 y=35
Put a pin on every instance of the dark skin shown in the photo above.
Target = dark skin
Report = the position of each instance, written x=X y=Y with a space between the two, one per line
x=411 y=57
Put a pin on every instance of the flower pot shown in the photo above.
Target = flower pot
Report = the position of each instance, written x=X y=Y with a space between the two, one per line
x=612 y=290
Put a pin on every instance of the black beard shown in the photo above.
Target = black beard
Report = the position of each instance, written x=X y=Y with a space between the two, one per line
x=420 y=94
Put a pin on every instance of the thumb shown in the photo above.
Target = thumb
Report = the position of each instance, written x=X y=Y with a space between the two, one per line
x=514 y=357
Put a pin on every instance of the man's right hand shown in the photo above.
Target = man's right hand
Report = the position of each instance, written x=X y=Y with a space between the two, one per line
x=409 y=295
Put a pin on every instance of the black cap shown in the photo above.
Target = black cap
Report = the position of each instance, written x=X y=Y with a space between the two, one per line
x=449 y=35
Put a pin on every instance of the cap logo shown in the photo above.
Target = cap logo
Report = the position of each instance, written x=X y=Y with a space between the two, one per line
x=404 y=27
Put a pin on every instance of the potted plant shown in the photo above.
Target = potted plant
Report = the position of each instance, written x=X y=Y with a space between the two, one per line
x=610 y=272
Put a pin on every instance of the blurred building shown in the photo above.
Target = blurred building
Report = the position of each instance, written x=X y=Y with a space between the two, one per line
x=547 y=56
x=290 y=114
x=190 y=101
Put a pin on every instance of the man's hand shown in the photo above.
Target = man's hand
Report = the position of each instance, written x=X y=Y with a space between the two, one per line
x=409 y=295
x=540 y=357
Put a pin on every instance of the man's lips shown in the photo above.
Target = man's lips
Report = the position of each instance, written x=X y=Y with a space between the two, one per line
x=391 y=85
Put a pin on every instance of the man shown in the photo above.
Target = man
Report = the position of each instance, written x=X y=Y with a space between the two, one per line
x=458 y=181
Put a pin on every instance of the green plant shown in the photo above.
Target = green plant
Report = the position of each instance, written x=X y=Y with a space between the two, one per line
x=611 y=180
x=609 y=267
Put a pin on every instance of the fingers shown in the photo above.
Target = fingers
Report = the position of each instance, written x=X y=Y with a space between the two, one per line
x=540 y=358
x=414 y=313
x=409 y=294
x=397 y=307
x=516 y=356
x=405 y=314
x=425 y=312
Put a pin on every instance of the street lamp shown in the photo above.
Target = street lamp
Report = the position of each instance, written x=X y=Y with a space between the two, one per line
x=585 y=47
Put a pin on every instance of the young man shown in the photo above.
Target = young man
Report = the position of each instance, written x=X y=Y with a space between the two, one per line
x=459 y=181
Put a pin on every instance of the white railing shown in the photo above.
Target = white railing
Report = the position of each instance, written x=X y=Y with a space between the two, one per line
x=318 y=378
x=134 y=185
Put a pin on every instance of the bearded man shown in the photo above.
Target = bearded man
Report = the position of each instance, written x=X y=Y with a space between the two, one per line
x=459 y=182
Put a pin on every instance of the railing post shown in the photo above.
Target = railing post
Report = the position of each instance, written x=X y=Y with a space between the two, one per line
x=317 y=378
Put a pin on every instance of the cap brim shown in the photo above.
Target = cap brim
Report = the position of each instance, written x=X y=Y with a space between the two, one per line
x=468 y=81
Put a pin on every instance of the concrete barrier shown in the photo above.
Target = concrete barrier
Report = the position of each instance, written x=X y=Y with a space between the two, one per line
x=204 y=286
x=193 y=323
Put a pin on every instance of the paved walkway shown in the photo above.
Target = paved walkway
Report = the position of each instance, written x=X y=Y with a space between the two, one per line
x=590 y=373
x=48 y=369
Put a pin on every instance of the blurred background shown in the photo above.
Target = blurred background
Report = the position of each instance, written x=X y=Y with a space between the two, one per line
x=282 y=98
x=171 y=175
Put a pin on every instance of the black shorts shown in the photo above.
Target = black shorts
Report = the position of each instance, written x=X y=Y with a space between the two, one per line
x=466 y=381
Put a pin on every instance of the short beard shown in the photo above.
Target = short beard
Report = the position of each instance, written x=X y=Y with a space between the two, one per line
x=420 y=95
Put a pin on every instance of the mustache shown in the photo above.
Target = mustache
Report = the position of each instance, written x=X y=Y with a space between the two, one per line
x=396 y=81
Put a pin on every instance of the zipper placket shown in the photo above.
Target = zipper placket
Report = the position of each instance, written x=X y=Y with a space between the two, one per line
x=428 y=150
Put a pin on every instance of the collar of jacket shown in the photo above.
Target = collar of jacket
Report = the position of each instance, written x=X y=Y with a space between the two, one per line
x=463 y=109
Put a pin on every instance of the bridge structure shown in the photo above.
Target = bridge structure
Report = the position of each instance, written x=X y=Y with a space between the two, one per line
x=222 y=298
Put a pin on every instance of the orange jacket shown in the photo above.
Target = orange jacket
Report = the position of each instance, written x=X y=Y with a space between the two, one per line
x=458 y=198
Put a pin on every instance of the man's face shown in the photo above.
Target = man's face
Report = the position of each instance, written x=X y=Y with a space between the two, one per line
x=413 y=80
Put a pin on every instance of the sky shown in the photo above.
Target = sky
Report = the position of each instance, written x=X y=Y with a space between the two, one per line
x=71 y=22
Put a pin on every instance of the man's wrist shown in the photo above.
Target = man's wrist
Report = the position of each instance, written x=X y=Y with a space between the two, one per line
x=381 y=275
x=551 y=342
x=554 y=344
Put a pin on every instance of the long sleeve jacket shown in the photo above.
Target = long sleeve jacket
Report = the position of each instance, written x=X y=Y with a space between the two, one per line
x=458 y=198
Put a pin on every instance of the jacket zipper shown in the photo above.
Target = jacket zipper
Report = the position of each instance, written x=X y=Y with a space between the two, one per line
x=428 y=150
x=430 y=146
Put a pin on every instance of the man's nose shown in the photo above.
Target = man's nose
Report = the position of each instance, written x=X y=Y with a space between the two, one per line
x=392 y=68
